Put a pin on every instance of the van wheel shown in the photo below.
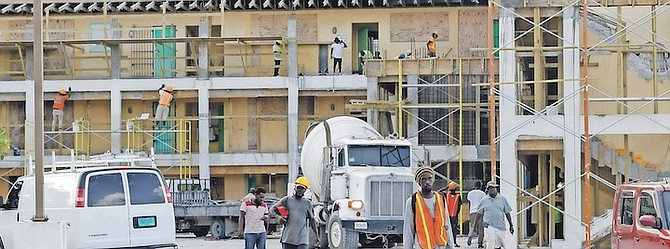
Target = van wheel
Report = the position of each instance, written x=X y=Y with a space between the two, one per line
x=200 y=231
x=217 y=228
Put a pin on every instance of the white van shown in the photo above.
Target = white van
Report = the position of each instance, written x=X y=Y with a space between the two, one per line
x=104 y=207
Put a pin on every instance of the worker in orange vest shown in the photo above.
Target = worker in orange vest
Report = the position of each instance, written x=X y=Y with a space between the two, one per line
x=58 y=106
x=432 y=47
x=426 y=223
x=164 y=102
x=454 y=203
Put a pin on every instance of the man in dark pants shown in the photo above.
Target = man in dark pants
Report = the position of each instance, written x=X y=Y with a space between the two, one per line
x=454 y=203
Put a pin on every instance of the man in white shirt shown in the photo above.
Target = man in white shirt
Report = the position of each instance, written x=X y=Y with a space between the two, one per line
x=475 y=196
x=253 y=216
x=336 y=53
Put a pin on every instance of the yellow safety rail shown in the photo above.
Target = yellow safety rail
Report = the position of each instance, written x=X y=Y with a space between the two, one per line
x=82 y=138
x=184 y=148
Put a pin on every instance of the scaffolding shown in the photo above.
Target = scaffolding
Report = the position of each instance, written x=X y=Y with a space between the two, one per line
x=171 y=136
x=560 y=34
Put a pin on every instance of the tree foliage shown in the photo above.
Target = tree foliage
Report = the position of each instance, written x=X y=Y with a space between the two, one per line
x=4 y=143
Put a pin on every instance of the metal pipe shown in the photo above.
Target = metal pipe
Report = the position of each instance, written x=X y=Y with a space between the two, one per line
x=492 y=106
x=587 y=140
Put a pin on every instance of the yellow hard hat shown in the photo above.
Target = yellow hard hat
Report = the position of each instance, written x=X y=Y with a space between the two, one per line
x=436 y=33
x=61 y=91
x=452 y=185
x=302 y=181
x=279 y=42
x=169 y=89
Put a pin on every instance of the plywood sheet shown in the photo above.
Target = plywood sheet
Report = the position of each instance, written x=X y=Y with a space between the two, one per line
x=418 y=26
x=472 y=32
x=276 y=25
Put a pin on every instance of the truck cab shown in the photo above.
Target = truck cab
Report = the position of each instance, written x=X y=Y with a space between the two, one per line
x=641 y=217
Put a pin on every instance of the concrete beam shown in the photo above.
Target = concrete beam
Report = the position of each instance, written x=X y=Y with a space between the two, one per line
x=539 y=144
x=203 y=130
x=115 y=120
x=203 y=49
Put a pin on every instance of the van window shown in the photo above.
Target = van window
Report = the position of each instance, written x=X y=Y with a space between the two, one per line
x=647 y=206
x=145 y=188
x=666 y=206
x=625 y=215
x=106 y=190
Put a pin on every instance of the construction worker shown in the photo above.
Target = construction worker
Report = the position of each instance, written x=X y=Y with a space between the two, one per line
x=426 y=223
x=475 y=196
x=58 y=106
x=336 y=53
x=492 y=211
x=253 y=219
x=432 y=47
x=295 y=234
x=276 y=49
x=454 y=203
x=165 y=98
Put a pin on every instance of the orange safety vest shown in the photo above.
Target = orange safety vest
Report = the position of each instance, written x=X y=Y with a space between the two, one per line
x=59 y=101
x=431 y=44
x=165 y=99
x=430 y=232
x=452 y=204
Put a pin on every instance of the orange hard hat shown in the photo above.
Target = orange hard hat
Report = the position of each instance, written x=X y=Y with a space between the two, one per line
x=452 y=185
x=61 y=91
x=169 y=89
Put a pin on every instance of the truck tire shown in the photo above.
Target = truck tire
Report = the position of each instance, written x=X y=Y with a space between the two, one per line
x=217 y=229
x=200 y=231
x=339 y=237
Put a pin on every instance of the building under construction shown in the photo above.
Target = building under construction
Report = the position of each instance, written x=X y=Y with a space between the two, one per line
x=557 y=100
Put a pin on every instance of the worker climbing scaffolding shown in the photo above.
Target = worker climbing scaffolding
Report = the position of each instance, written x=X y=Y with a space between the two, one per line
x=165 y=98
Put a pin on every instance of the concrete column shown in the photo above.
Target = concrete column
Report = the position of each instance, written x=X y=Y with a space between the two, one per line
x=115 y=62
x=30 y=120
x=30 y=66
x=203 y=50
x=373 y=95
x=572 y=195
x=507 y=150
x=203 y=130
x=115 y=103
x=412 y=122
x=293 y=89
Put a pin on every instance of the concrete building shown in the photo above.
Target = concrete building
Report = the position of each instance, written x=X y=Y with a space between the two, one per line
x=217 y=55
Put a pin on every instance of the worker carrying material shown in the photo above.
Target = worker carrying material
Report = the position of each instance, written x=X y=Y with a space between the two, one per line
x=164 y=102
x=432 y=47
x=276 y=49
x=58 y=106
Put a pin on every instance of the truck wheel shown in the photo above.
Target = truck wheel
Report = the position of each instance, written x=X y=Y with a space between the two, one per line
x=200 y=231
x=338 y=236
x=217 y=228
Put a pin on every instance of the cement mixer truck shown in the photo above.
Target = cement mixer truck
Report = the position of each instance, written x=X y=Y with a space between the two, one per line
x=359 y=181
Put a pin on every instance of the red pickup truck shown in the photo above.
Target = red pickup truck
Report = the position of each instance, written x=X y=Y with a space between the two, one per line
x=641 y=217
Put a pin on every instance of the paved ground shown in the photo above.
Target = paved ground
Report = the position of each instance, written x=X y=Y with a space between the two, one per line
x=190 y=241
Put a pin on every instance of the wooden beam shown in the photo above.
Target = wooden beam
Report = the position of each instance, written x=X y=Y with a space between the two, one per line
x=539 y=144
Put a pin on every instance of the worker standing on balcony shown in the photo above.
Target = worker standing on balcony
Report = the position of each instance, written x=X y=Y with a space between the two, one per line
x=276 y=49
x=58 y=106
x=432 y=47
x=164 y=101
x=336 y=53
x=454 y=203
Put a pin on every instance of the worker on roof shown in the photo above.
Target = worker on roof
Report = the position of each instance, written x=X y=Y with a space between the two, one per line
x=58 y=106
x=432 y=47
x=165 y=98
x=276 y=49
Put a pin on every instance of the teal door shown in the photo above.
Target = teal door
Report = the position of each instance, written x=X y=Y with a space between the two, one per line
x=164 y=137
x=165 y=53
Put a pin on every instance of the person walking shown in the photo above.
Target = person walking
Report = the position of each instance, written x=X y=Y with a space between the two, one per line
x=336 y=53
x=276 y=49
x=454 y=203
x=165 y=98
x=295 y=234
x=253 y=219
x=58 y=106
x=492 y=210
x=426 y=216
x=475 y=196
x=432 y=47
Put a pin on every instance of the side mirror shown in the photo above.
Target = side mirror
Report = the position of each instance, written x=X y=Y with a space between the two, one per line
x=650 y=221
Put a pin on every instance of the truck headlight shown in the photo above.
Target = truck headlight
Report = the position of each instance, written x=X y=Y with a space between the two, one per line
x=355 y=204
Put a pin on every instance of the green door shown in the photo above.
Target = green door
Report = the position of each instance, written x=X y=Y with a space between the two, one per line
x=165 y=53
x=363 y=34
